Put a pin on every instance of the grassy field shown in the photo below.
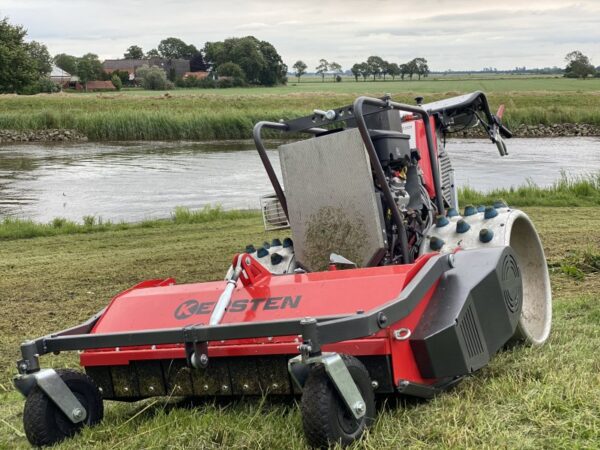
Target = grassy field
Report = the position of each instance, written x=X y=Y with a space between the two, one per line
x=546 y=397
x=231 y=113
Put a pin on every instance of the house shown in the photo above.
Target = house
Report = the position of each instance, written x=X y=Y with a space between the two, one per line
x=59 y=76
x=174 y=68
x=201 y=75
x=96 y=85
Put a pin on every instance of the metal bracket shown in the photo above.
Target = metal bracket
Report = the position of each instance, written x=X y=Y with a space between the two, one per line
x=56 y=389
x=338 y=374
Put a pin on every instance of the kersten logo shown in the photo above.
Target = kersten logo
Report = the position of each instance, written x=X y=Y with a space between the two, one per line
x=193 y=307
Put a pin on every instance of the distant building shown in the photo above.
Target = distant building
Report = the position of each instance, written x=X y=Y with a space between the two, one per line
x=175 y=68
x=96 y=85
x=197 y=75
x=59 y=76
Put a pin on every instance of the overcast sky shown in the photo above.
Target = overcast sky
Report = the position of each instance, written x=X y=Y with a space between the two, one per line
x=455 y=34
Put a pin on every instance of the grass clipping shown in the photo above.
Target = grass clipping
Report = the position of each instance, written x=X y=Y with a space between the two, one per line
x=331 y=230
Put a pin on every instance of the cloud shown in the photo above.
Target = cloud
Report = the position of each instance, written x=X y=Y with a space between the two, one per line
x=458 y=34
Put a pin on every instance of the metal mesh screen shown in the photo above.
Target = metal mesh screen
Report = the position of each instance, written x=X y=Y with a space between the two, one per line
x=331 y=200
x=272 y=212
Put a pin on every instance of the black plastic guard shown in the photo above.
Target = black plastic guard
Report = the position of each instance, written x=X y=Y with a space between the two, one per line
x=472 y=314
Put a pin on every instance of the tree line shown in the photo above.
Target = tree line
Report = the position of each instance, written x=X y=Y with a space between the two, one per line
x=374 y=66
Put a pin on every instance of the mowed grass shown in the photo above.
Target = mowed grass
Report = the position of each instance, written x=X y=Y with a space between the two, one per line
x=547 y=397
x=230 y=113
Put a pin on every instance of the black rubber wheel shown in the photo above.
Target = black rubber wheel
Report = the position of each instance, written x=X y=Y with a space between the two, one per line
x=325 y=417
x=46 y=424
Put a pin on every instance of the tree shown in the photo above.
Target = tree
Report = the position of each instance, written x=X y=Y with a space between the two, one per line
x=197 y=63
x=174 y=48
x=365 y=70
x=299 y=69
x=89 y=68
x=385 y=68
x=411 y=68
x=153 y=53
x=17 y=67
x=403 y=70
x=578 y=65
x=422 y=69
x=259 y=60
x=152 y=78
x=375 y=64
x=355 y=69
x=336 y=69
x=322 y=68
x=134 y=52
x=394 y=70
x=41 y=58
x=68 y=63
x=116 y=81
x=232 y=70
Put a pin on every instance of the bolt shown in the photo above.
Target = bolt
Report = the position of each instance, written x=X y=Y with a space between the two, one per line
x=151 y=388
x=245 y=387
x=225 y=388
x=126 y=389
x=374 y=384
x=270 y=338
x=77 y=413
x=205 y=387
x=359 y=408
x=203 y=359
x=23 y=367
x=275 y=386
x=248 y=261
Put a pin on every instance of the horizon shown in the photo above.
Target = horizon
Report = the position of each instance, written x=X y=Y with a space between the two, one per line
x=536 y=35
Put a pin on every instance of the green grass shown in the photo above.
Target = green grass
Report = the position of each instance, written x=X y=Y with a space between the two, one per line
x=567 y=191
x=230 y=113
x=546 y=397
x=12 y=228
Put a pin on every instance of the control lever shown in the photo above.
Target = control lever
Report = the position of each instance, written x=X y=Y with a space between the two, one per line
x=497 y=131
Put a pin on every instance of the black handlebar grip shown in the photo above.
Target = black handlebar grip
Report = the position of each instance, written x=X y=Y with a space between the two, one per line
x=505 y=132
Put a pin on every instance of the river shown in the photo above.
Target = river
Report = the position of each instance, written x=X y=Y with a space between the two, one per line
x=139 y=180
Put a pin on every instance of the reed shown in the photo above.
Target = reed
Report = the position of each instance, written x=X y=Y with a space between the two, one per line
x=197 y=115
x=567 y=191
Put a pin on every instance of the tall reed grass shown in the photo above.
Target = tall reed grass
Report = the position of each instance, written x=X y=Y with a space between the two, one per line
x=214 y=116
x=567 y=191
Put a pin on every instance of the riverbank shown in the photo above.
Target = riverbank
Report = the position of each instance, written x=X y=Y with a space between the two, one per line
x=519 y=400
x=565 y=192
x=197 y=115
x=522 y=131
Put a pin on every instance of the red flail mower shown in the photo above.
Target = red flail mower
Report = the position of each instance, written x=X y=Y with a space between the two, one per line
x=383 y=289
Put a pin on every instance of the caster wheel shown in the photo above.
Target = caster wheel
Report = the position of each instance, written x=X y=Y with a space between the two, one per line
x=46 y=424
x=325 y=417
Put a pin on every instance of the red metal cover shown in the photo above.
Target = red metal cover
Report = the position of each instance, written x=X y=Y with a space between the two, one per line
x=316 y=294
